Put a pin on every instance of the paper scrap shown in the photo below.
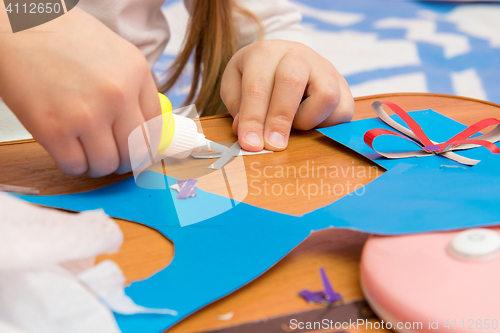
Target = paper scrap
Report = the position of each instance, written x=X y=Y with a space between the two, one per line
x=227 y=316
x=330 y=295
x=316 y=297
x=242 y=152
x=106 y=280
x=18 y=189
x=226 y=157
x=186 y=188
x=327 y=296
x=464 y=140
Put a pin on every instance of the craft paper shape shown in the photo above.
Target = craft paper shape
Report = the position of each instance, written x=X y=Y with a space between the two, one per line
x=185 y=188
x=227 y=316
x=414 y=133
x=223 y=253
x=437 y=127
x=236 y=150
x=409 y=197
x=226 y=157
x=212 y=258
x=327 y=296
x=18 y=189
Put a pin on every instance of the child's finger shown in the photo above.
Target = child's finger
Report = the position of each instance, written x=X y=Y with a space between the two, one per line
x=148 y=99
x=122 y=128
x=323 y=96
x=101 y=151
x=290 y=82
x=344 y=110
x=67 y=152
x=236 y=121
x=256 y=89
x=230 y=88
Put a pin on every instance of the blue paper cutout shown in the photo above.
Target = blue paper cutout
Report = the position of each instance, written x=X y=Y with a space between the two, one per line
x=212 y=258
x=216 y=256
x=422 y=199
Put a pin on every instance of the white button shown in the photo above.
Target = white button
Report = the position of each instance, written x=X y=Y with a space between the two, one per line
x=475 y=243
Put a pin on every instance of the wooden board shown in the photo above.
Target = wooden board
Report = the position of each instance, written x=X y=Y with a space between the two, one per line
x=145 y=251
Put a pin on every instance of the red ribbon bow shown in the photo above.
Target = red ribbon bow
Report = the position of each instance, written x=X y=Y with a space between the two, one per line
x=415 y=134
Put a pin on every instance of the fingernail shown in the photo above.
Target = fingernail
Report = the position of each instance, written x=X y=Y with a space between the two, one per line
x=253 y=139
x=277 y=140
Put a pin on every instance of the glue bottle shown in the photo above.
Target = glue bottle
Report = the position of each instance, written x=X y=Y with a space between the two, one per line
x=180 y=137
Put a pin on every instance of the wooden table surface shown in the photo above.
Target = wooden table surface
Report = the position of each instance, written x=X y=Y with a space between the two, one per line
x=145 y=251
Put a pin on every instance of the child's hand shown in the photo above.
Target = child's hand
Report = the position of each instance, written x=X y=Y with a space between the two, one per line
x=80 y=89
x=263 y=87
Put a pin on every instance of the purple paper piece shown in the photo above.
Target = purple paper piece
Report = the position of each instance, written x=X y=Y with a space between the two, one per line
x=432 y=147
x=187 y=189
x=313 y=297
x=328 y=295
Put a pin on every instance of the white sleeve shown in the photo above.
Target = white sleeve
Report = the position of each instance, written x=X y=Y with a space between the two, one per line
x=280 y=18
x=141 y=22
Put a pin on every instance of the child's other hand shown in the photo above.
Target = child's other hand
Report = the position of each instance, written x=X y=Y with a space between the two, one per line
x=271 y=86
x=80 y=89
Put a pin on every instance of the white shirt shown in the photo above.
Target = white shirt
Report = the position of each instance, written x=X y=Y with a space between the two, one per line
x=143 y=24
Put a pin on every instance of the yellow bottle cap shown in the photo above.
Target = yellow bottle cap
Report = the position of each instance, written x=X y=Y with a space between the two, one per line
x=168 y=127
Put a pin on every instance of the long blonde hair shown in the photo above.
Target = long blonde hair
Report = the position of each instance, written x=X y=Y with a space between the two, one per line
x=211 y=39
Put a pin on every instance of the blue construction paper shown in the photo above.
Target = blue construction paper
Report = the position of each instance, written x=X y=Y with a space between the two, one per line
x=414 y=199
x=438 y=128
x=217 y=254
x=212 y=258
